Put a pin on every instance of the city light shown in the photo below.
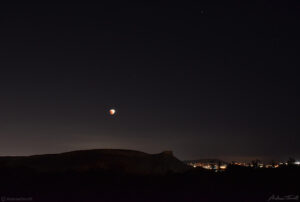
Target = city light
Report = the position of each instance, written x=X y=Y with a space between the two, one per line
x=223 y=167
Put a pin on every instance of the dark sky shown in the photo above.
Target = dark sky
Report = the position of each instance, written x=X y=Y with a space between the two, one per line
x=203 y=80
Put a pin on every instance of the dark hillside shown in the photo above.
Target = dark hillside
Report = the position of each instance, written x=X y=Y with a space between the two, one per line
x=123 y=161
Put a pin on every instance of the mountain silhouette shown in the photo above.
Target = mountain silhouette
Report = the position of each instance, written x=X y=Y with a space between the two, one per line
x=113 y=160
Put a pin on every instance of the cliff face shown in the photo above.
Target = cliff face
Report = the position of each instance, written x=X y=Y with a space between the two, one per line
x=122 y=161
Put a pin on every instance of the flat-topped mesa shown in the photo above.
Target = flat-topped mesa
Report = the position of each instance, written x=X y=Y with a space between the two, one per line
x=102 y=160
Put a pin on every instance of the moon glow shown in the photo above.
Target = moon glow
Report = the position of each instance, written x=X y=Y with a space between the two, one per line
x=112 y=112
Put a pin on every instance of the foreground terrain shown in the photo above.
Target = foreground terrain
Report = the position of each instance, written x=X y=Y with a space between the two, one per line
x=81 y=177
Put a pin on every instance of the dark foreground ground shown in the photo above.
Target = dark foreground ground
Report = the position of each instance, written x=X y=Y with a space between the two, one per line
x=236 y=184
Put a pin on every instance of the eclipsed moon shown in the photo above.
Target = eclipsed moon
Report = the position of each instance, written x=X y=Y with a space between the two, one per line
x=112 y=112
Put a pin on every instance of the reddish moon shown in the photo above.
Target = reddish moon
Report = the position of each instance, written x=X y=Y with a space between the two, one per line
x=112 y=112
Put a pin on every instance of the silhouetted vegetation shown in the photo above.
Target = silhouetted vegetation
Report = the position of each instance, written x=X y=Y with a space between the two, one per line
x=291 y=161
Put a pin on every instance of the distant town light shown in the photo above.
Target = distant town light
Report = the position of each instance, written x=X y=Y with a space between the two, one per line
x=297 y=162
x=223 y=167
x=207 y=167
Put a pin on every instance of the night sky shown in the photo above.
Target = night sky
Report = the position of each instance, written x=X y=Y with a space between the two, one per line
x=204 y=80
